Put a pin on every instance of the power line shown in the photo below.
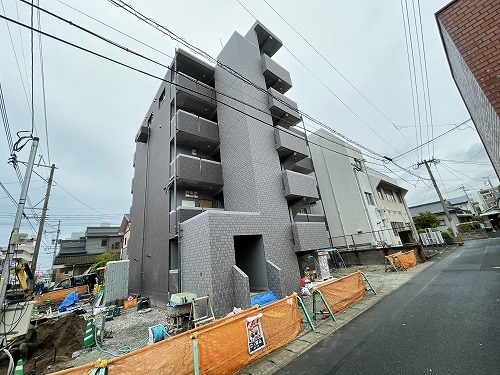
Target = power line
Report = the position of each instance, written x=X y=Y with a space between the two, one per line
x=40 y=49
x=17 y=60
x=168 y=67
x=151 y=22
x=332 y=66
x=433 y=139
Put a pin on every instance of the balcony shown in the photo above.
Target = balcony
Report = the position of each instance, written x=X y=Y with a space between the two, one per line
x=283 y=115
x=195 y=131
x=195 y=96
x=299 y=186
x=268 y=43
x=304 y=166
x=310 y=236
x=290 y=144
x=309 y=218
x=275 y=75
x=185 y=213
x=197 y=172
x=142 y=135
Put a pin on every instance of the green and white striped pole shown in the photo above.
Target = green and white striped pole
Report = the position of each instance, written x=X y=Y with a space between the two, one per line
x=88 y=338
x=19 y=368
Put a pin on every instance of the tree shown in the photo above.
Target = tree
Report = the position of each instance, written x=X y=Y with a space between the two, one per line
x=426 y=220
x=104 y=258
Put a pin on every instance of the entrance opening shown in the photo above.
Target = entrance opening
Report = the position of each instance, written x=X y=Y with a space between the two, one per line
x=250 y=258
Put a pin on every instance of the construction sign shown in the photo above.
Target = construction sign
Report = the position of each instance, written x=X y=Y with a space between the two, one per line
x=255 y=334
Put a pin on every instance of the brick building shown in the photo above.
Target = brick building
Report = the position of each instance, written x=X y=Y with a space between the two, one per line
x=217 y=184
x=470 y=31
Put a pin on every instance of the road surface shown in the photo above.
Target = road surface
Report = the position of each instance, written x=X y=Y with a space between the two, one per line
x=446 y=320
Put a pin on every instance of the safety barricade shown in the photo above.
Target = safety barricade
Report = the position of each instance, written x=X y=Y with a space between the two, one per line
x=220 y=347
x=59 y=295
x=338 y=294
x=400 y=261
x=408 y=259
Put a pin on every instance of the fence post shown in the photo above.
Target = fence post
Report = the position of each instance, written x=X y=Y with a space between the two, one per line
x=308 y=318
x=317 y=291
x=370 y=285
x=196 y=356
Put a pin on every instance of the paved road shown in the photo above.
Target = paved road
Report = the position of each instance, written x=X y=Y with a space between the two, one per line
x=446 y=320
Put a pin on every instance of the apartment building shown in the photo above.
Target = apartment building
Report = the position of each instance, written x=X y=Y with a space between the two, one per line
x=471 y=39
x=23 y=251
x=220 y=177
x=364 y=208
x=489 y=198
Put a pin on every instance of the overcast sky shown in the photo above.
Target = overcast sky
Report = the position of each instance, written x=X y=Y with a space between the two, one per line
x=95 y=107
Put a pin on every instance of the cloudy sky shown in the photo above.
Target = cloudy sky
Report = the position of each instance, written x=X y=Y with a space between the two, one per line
x=94 y=107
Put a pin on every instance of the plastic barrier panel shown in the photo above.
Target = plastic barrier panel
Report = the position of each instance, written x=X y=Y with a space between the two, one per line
x=224 y=347
x=343 y=292
x=59 y=295
x=408 y=259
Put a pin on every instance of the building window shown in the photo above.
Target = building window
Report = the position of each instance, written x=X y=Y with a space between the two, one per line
x=358 y=164
x=399 y=197
x=125 y=241
x=397 y=226
x=369 y=198
x=389 y=195
x=161 y=98
x=150 y=120
x=115 y=246
x=191 y=194
x=104 y=242
x=380 y=195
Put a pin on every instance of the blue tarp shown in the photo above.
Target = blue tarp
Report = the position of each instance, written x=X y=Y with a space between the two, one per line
x=70 y=300
x=263 y=299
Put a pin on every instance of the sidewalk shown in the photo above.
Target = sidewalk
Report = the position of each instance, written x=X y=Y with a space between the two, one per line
x=383 y=282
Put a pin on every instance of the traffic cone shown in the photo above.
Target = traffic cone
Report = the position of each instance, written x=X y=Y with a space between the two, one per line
x=88 y=337
x=19 y=368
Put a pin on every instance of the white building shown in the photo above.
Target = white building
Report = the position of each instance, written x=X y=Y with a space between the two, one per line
x=364 y=208
x=24 y=251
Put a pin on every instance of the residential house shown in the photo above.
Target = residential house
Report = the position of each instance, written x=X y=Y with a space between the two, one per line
x=489 y=198
x=237 y=180
x=124 y=232
x=77 y=255
x=22 y=251
x=457 y=214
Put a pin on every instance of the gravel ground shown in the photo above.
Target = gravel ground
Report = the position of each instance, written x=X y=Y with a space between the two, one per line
x=131 y=327
x=128 y=329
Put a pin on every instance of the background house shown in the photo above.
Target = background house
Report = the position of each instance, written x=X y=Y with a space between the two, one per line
x=23 y=251
x=76 y=255
x=124 y=232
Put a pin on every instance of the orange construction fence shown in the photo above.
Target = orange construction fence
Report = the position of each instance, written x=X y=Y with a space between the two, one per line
x=222 y=345
x=408 y=259
x=343 y=292
x=59 y=295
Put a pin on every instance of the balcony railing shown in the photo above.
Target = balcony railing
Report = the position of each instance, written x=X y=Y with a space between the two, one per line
x=298 y=186
x=192 y=171
x=310 y=236
x=309 y=218
x=283 y=115
x=290 y=144
x=194 y=96
x=275 y=75
x=195 y=131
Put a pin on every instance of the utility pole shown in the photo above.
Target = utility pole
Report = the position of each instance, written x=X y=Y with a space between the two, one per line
x=42 y=222
x=14 y=236
x=493 y=190
x=445 y=209
x=55 y=248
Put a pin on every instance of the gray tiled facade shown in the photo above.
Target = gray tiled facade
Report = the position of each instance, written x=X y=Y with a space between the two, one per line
x=212 y=170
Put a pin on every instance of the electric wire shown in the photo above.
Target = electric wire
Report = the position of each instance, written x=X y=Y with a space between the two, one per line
x=173 y=83
x=414 y=75
x=151 y=22
x=17 y=60
x=332 y=66
x=420 y=64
